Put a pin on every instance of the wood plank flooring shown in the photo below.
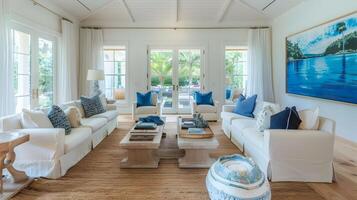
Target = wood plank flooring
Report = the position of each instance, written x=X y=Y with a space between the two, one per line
x=98 y=175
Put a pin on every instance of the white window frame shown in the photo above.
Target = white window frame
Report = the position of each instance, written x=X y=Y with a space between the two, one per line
x=35 y=35
x=125 y=102
x=237 y=48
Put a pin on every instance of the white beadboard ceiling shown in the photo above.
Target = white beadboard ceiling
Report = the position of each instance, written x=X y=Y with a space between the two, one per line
x=175 y=12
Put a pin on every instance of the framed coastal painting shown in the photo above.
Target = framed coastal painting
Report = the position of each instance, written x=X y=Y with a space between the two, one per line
x=322 y=61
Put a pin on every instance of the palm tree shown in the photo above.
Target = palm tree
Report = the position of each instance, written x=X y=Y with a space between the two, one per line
x=190 y=60
x=161 y=66
x=341 y=28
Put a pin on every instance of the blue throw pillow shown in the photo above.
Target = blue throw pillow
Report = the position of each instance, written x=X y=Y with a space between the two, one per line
x=143 y=99
x=286 y=119
x=92 y=105
x=203 y=98
x=245 y=106
x=59 y=119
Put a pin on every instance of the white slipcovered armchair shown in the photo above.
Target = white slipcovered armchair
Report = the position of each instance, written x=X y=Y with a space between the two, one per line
x=144 y=111
x=208 y=112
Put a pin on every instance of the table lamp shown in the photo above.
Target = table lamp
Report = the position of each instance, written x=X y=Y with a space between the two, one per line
x=95 y=75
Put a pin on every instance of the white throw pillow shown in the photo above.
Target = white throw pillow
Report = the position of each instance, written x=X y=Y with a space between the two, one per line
x=74 y=116
x=309 y=119
x=35 y=119
x=103 y=100
x=263 y=118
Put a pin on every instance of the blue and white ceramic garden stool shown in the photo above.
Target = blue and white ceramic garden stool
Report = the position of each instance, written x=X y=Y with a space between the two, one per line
x=235 y=177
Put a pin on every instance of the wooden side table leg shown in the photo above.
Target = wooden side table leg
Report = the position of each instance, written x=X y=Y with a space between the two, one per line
x=3 y=153
x=18 y=176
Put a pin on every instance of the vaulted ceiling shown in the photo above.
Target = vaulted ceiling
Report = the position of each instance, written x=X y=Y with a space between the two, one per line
x=175 y=12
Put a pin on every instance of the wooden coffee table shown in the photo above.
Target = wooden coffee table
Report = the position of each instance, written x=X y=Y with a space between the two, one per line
x=196 y=150
x=141 y=154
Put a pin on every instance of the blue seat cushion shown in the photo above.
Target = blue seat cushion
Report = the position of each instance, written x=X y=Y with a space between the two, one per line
x=144 y=99
x=59 y=119
x=245 y=106
x=286 y=119
x=92 y=106
x=203 y=98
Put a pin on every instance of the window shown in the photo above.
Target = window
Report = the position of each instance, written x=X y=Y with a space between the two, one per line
x=33 y=66
x=22 y=68
x=236 y=70
x=115 y=72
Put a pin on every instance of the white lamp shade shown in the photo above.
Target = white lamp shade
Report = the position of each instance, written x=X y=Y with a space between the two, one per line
x=94 y=75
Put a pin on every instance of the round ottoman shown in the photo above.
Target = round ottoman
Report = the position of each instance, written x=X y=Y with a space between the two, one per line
x=236 y=177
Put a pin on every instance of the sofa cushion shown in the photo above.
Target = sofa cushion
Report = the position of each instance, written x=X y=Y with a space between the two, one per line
x=228 y=116
x=240 y=124
x=203 y=98
x=59 y=119
x=94 y=123
x=206 y=109
x=245 y=106
x=286 y=119
x=109 y=115
x=77 y=137
x=143 y=99
x=92 y=106
x=309 y=119
x=35 y=119
x=253 y=137
x=146 y=110
x=74 y=116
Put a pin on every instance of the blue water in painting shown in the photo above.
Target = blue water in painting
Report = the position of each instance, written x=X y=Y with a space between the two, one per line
x=324 y=77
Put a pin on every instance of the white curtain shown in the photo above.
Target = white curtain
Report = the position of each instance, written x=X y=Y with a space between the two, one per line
x=91 y=57
x=68 y=71
x=259 y=65
x=7 y=98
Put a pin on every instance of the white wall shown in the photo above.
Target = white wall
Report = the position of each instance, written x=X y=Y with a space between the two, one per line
x=138 y=41
x=305 y=15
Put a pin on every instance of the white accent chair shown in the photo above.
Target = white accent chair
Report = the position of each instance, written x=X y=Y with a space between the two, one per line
x=50 y=153
x=144 y=111
x=284 y=155
x=208 y=112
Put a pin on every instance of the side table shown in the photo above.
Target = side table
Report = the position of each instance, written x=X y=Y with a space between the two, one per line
x=9 y=186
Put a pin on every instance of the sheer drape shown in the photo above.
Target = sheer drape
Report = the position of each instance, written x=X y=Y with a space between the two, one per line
x=68 y=71
x=259 y=65
x=7 y=98
x=91 y=57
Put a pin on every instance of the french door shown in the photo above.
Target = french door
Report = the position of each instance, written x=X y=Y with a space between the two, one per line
x=33 y=57
x=175 y=73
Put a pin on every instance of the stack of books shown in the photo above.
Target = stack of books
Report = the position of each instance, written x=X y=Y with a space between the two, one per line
x=188 y=123
x=145 y=126
x=196 y=131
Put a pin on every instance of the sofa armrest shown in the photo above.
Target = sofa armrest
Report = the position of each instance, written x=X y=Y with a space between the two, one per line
x=193 y=107
x=228 y=108
x=49 y=140
x=111 y=107
x=304 y=145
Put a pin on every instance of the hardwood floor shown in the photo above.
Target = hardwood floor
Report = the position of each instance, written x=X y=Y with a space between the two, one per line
x=98 y=175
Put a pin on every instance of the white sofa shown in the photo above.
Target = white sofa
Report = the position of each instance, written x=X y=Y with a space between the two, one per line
x=208 y=112
x=144 y=111
x=49 y=152
x=284 y=155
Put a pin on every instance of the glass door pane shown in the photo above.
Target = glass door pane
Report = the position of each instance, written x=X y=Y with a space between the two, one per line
x=22 y=69
x=161 y=70
x=45 y=66
x=189 y=75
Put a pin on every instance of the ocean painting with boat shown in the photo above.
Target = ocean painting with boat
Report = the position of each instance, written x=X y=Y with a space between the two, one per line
x=322 y=61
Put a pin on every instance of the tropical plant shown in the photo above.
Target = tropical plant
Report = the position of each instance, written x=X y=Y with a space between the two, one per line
x=161 y=65
x=233 y=69
x=189 y=68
